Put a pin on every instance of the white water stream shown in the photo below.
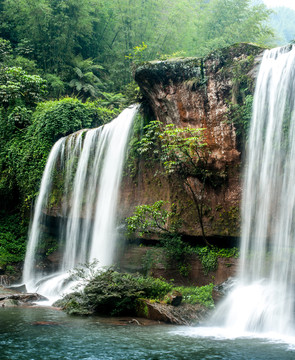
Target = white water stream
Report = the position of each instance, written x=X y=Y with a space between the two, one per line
x=263 y=299
x=87 y=166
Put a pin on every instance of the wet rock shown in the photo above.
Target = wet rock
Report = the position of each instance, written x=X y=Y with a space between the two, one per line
x=197 y=92
x=184 y=314
x=221 y=290
x=10 y=298
x=5 y=280
x=174 y=298
x=19 y=288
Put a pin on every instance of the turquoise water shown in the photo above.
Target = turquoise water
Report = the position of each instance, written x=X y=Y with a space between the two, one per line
x=93 y=338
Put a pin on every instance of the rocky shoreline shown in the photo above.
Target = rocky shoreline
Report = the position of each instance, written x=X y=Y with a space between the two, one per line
x=149 y=312
x=11 y=298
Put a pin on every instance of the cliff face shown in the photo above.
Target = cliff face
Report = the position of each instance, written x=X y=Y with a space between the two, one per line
x=200 y=93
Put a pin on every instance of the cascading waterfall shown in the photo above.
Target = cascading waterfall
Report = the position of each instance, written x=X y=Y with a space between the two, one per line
x=84 y=171
x=263 y=299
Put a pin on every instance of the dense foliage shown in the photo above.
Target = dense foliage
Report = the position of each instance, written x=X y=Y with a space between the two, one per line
x=282 y=19
x=32 y=135
x=197 y=295
x=13 y=233
x=86 y=47
x=181 y=152
x=109 y=292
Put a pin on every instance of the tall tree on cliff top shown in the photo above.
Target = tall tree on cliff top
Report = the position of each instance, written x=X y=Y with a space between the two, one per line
x=224 y=22
x=56 y=31
x=163 y=25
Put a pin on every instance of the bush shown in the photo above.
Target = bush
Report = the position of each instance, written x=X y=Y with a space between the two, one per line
x=13 y=233
x=112 y=293
x=24 y=155
x=54 y=119
x=209 y=256
x=197 y=295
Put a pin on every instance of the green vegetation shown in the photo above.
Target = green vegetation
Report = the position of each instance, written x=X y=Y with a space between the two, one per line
x=66 y=65
x=88 y=46
x=209 y=256
x=224 y=22
x=241 y=98
x=13 y=234
x=151 y=219
x=197 y=295
x=282 y=20
x=181 y=152
x=109 y=292
x=24 y=155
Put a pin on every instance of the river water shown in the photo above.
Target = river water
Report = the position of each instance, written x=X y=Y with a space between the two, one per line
x=69 y=338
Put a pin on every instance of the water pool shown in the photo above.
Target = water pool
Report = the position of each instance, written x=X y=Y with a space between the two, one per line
x=45 y=333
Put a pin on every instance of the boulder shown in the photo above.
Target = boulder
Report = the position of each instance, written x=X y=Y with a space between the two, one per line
x=184 y=314
x=10 y=298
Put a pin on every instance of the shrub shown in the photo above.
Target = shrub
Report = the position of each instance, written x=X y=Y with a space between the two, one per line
x=13 y=233
x=197 y=295
x=112 y=293
x=26 y=153
x=209 y=256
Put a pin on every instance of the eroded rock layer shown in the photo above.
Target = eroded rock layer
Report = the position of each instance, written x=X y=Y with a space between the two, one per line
x=207 y=93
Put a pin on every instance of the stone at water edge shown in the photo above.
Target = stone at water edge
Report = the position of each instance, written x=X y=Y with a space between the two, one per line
x=18 y=299
x=184 y=314
x=174 y=298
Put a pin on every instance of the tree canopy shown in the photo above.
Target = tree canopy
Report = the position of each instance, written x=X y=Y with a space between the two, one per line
x=56 y=34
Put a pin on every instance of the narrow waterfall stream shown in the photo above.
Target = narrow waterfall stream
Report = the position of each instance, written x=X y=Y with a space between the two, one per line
x=84 y=171
x=263 y=299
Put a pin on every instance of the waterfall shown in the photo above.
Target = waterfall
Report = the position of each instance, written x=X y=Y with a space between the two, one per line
x=83 y=172
x=263 y=299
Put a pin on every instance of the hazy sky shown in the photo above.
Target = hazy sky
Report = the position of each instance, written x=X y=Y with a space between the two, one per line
x=287 y=3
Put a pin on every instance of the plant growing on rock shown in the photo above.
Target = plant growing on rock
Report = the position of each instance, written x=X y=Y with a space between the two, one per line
x=155 y=218
x=148 y=219
x=109 y=292
x=197 y=295
x=185 y=153
x=182 y=152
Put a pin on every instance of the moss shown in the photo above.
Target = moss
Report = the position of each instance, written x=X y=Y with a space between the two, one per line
x=228 y=221
x=186 y=69
x=142 y=308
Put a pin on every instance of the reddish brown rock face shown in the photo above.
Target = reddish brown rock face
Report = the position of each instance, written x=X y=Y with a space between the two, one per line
x=196 y=93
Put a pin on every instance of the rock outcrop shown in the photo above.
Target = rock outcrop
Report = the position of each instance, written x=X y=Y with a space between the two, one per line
x=184 y=314
x=152 y=261
x=11 y=298
x=200 y=93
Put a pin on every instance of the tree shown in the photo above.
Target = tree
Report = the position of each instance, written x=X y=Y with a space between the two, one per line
x=55 y=29
x=282 y=19
x=224 y=22
x=182 y=152
x=86 y=83
x=19 y=88
x=54 y=32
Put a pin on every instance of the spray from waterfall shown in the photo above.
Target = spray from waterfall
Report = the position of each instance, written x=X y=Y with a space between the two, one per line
x=83 y=172
x=263 y=300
